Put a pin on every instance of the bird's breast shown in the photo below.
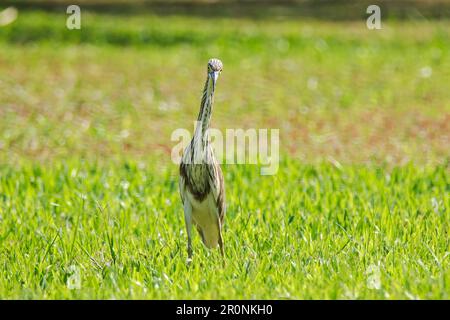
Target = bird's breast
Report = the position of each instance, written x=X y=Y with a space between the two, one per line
x=205 y=217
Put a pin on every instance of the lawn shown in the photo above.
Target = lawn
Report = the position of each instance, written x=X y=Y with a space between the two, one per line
x=89 y=204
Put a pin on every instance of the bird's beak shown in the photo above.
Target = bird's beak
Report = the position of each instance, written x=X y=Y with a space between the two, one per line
x=214 y=75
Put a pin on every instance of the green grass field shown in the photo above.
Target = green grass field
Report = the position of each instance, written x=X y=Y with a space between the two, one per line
x=359 y=208
x=308 y=232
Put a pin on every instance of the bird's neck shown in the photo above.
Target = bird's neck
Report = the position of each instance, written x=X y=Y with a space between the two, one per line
x=201 y=135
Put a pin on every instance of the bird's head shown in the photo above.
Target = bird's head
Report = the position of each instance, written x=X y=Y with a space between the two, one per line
x=215 y=67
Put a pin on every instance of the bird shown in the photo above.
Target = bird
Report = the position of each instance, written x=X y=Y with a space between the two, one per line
x=201 y=182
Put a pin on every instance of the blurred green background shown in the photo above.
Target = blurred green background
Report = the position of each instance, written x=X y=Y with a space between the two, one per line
x=134 y=72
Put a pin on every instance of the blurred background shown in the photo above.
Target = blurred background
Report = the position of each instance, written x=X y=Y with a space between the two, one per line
x=134 y=72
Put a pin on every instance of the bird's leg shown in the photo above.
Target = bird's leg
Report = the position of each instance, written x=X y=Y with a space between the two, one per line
x=188 y=220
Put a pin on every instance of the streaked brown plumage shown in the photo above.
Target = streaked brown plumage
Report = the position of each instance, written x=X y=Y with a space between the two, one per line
x=201 y=181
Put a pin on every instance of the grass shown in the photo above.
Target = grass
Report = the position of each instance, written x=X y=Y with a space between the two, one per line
x=88 y=190
x=122 y=227
x=95 y=95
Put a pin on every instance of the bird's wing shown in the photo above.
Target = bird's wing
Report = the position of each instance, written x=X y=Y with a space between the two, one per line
x=182 y=183
x=221 y=196
x=218 y=189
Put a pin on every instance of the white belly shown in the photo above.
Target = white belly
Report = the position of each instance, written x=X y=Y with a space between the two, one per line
x=205 y=216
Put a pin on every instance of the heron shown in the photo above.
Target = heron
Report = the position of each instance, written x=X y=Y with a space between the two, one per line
x=201 y=181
